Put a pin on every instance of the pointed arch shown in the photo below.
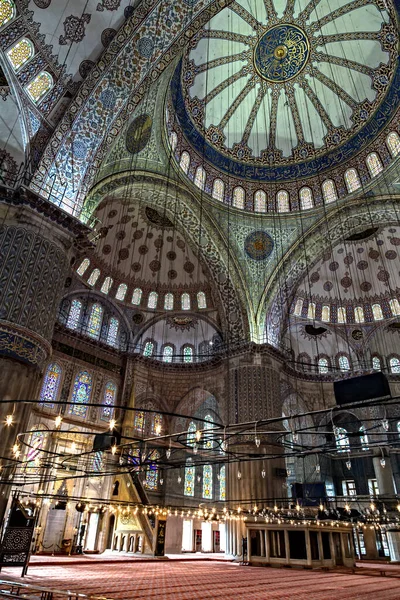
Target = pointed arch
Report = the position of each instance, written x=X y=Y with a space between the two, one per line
x=51 y=385
x=81 y=394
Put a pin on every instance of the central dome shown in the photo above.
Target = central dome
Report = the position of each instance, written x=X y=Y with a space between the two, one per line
x=281 y=53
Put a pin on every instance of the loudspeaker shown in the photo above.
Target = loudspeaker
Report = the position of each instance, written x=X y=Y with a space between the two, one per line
x=360 y=389
x=104 y=441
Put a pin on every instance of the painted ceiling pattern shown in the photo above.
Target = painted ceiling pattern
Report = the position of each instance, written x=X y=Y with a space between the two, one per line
x=269 y=83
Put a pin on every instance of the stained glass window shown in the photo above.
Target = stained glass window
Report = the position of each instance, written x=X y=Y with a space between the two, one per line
x=374 y=164
x=323 y=365
x=168 y=353
x=200 y=178
x=329 y=191
x=394 y=306
x=139 y=421
x=359 y=314
x=208 y=425
x=112 y=333
x=83 y=266
x=190 y=472
x=311 y=310
x=7 y=11
x=201 y=300
x=151 y=481
x=137 y=296
x=95 y=274
x=81 y=394
x=36 y=443
x=376 y=363
x=148 y=348
x=344 y=363
x=341 y=315
x=173 y=140
x=377 y=312
x=168 y=301
x=50 y=387
x=157 y=424
x=95 y=319
x=298 y=306
x=352 y=180
x=222 y=483
x=97 y=462
x=105 y=288
x=238 y=197
x=207 y=482
x=121 y=292
x=110 y=393
x=187 y=354
x=39 y=86
x=341 y=439
x=363 y=438
x=394 y=365
x=152 y=301
x=260 y=201
x=20 y=53
x=306 y=198
x=74 y=314
x=185 y=301
x=326 y=313
x=185 y=161
x=218 y=189
x=393 y=142
x=282 y=201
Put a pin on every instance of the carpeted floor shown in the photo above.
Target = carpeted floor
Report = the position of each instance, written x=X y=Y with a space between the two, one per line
x=209 y=581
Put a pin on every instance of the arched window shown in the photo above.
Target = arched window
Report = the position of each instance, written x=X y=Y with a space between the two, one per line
x=139 y=421
x=323 y=366
x=20 y=53
x=298 y=307
x=326 y=313
x=207 y=482
x=260 y=201
x=394 y=306
x=341 y=439
x=238 y=197
x=218 y=190
x=363 y=438
x=168 y=301
x=74 y=314
x=376 y=363
x=185 y=162
x=282 y=201
x=95 y=320
x=201 y=300
x=191 y=434
x=200 y=178
x=7 y=12
x=352 y=180
x=36 y=443
x=374 y=164
x=168 y=353
x=110 y=394
x=222 y=483
x=137 y=296
x=190 y=473
x=306 y=198
x=81 y=394
x=394 y=364
x=187 y=354
x=39 y=86
x=95 y=274
x=97 y=463
x=51 y=385
x=105 y=288
x=173 y=140
x=398 y=428
x=156 y=426
x=329 y=191
x=112 y=332
x=311 y=310
x=377 y=312
x=359 y=314
x=344 y=363
x=152 y=300
x=208 y=426
x=83 y=266
x=151 y=481
x=185 y=301
x=121 y=292
x=393 y=143
x=148 y=348
x=341 y=315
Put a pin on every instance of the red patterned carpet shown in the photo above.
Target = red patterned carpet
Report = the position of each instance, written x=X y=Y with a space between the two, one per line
x=209 y=581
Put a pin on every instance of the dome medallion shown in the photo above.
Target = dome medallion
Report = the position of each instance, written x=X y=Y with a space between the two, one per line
x=281 y=53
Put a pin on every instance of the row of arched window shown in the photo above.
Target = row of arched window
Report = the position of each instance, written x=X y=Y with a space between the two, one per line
x=92 y=324
x=306 y=199
x=81 y=392
x=205 y=475
x=349 y=314
x=168 y=352
x=148 y=423
x=21 y=53
x=185 y=302
x=342 y=361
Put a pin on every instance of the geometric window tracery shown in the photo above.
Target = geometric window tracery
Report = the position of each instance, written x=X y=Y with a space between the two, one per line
x=191 y=434
x=344 y=363
x=311 y=311
x=152 y=300
x=74 y=314
x=352 y=180
x=222 y=483
x=185 y=301
x=323 y=365
x=374 y=164
x=341 y=439
x=200 y=178
x=81 y=394
x=36 y=443
x=201 y=300
x=306 y=198
x=20 y=53
x=238 y=197
x=359 y=314
x=187 y=354
x=94 y=276
x=329 y=191
x=83 y=266
x=151 y=481
x=168 y=353
x=51 y=385
x=95 y=320
x=326 y=313
x=39 y=86
x=282 y=201
x=137 y=296
x=188 y=489
x=393 y=143
x=168 y=301
x=121 y=292
x=112 y=333
x=218 y=190
x=376 y=363
x=341 y=314
x=377 y=312
x=260 y=201
x=207 y=482
x=105 y=288
x=7 y=11
x=148 y=348
x=394 y=364
x=110 y=392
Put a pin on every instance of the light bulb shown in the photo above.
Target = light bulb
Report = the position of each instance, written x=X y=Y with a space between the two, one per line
x=348 y=464
x=158 y=429
x=224 y=446
x=239 y=475
x=372 y=506
x=295 y=437
x=385 y=424
x=112 y=424
x=195 y=448
x=383 y=463
x=275 y=508
x=255 y=508
x=161 y=481
x=58 y=421
x=198 y=435
x=113 y=449
x=347 y=507
x=318 y=468
x=179 y=478
x=15 y=448
x=321 y=507
x=73 y=447
x=263 y=473
x=257 y=441
x=168 y=453
x=9 y=420
x=17 y=453
x=198 y=478
x=297 y=506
